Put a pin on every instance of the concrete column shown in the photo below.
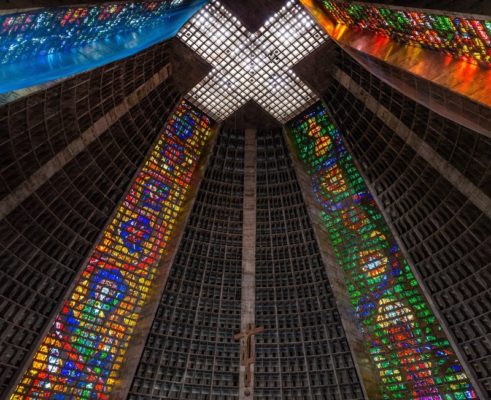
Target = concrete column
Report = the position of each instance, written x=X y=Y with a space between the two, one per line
x=248 y=310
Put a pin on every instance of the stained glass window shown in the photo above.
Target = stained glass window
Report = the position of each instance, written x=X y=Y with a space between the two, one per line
x=468 y=39
x=405 y=341
x=40 y=45
x=81 y=355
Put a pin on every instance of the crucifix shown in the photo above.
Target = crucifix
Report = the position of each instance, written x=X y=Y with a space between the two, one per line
x=248 y=352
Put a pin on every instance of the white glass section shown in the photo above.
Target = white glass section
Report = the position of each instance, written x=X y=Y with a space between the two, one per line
x=252 y=66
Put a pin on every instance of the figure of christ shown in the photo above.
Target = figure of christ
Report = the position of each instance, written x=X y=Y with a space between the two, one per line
x=248 y=351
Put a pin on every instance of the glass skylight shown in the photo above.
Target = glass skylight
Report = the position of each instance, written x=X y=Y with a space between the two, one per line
x=252 y=66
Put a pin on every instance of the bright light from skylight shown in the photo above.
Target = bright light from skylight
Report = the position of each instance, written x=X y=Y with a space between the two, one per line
x=252 y=66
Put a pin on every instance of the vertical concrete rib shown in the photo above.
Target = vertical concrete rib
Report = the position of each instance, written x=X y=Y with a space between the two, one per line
x=248 y=310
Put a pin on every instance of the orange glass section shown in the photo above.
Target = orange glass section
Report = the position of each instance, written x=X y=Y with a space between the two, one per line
x=462 y=76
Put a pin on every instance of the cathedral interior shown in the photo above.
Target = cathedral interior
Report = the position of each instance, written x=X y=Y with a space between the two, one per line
x=231 y=199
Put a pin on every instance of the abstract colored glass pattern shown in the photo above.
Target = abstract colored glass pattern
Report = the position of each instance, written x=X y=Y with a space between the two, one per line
x=41 y=45
x=81 y=355
x=405 y=341
x=467 y=39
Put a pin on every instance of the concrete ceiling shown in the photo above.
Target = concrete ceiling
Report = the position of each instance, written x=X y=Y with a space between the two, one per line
x=250 y=116
x=188 y=67
x=253 y=13
x=314 y=69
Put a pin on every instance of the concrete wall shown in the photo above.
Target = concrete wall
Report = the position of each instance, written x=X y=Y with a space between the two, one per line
x=431 y=178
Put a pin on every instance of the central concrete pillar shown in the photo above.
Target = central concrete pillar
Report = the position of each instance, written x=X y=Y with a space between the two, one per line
x=248 y=310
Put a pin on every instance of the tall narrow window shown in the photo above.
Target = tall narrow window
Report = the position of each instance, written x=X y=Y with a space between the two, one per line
x=406 y=343
x=83 y=351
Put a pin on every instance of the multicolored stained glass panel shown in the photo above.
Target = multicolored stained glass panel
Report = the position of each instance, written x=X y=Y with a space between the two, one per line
x=405 y=341
x=84 y=349
x=463 y=38
x=41 y=45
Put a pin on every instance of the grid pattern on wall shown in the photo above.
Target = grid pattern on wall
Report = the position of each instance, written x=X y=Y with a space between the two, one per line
x=84 y=349
x=468 y=151
x=464 y=38
x=45 y=239
x=303 y=352
x=190 y=352
x=447 y=237
x=407 y=345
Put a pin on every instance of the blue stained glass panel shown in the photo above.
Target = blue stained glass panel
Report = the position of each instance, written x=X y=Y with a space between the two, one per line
x=43 y=45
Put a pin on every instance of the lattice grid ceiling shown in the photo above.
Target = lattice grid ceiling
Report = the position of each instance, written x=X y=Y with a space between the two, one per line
x=252 y=66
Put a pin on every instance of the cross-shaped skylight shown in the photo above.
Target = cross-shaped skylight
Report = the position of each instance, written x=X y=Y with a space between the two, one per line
x=252 y=66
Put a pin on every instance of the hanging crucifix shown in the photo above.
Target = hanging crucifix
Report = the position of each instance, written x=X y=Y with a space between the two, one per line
x=248 y=352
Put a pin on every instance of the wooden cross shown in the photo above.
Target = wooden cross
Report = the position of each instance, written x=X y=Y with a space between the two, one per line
x=248 y=350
